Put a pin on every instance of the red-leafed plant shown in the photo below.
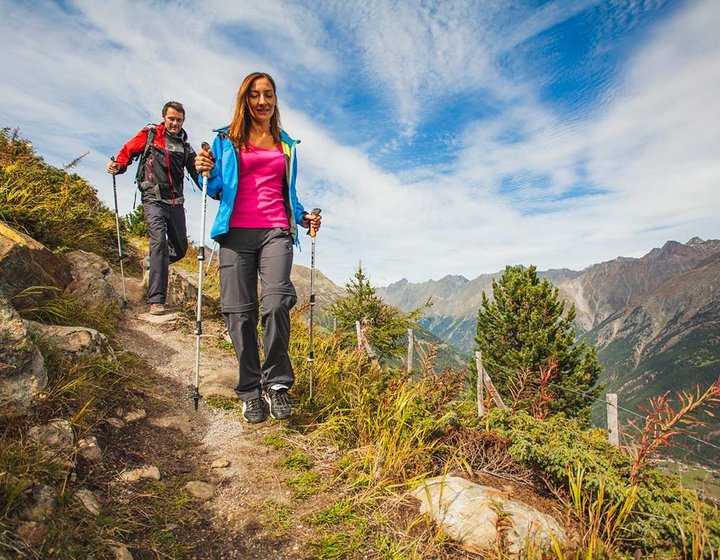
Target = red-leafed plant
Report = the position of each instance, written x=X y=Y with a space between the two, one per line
x=531 y=390
x=544 y=397
x=663 y=423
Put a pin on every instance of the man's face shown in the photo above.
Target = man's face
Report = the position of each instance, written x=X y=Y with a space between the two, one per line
x=173 y=120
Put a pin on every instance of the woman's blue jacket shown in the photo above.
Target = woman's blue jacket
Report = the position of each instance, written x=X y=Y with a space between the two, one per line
x=223 y=183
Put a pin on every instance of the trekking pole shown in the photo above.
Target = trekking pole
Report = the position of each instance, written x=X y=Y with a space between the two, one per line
x=311 y=356
x=201 y=269
x=117 y=227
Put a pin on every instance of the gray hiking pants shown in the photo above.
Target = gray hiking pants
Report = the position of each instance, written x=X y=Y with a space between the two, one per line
x=246 y=253
x=168 y=243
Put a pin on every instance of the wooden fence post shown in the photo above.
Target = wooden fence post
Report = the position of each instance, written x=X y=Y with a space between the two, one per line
x=612 y=419
x=479 y=385
x=411 y=344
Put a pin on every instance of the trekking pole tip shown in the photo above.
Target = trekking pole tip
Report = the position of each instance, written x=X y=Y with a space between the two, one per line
x=196 y=398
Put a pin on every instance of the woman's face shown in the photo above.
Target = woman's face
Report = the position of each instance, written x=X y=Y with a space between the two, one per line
x=261 y=99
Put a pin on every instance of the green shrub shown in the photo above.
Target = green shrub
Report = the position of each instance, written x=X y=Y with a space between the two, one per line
x=135 y=223
x=663 y=509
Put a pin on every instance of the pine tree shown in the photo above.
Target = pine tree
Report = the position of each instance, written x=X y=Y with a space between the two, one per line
x=523 y=331
x=135 y=222
x=387 y=325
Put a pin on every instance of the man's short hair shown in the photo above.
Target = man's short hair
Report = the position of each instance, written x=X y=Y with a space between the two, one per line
x=173 y=105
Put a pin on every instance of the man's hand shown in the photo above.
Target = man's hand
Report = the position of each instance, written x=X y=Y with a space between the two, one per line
x=112 y=167
x=204 y=160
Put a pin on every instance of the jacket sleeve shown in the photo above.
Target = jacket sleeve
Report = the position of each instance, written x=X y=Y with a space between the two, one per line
x=300 y=212
x=215 y=180
x=131 y=150
x=190 y=165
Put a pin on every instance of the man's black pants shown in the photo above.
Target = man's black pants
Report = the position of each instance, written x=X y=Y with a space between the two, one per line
x=168 y=243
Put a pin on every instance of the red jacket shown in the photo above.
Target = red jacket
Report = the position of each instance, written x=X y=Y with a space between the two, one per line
x=161 y=173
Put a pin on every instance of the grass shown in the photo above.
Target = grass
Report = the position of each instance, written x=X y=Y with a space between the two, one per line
x=223 y=404
x=305 y=484
x=279 y=515
x=276 y=441
x=60 y=210
x=55 y=308
x=296 y=461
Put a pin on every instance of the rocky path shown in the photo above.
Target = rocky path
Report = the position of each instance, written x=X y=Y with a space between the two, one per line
x=246 y=500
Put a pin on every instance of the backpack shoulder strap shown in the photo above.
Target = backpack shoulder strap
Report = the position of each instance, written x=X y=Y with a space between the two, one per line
x=148 y=144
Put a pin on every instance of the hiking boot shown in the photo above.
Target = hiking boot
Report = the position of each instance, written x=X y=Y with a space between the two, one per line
x=157 y=309
x=279 y=402
x=254 y=411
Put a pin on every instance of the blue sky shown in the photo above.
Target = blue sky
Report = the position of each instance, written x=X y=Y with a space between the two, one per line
x=438 y=137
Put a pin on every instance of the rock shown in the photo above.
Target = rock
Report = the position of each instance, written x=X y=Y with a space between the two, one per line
x=115 y=422
x=33 y=533
x=22 y=368
x=55 y=440
x=122 y=553
x=220 y=382
x=24 y=263
x=169 y=319
x=134 y=416
x=80 y=341
x=88 y=449
x=469 y=512
x=41 y=504
x=91 y=280
x=220 y=464
x=89 y=501
x=148 y=471
x=200 y=490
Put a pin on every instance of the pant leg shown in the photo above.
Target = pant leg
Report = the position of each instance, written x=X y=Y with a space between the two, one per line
x=278 y=297
x=156 y=218
x=176 y=233
x=239 y=303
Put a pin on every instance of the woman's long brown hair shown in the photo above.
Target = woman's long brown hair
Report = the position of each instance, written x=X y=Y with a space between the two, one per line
x=242 y=120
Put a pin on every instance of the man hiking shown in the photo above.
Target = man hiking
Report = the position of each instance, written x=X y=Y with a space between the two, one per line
x=164 y=156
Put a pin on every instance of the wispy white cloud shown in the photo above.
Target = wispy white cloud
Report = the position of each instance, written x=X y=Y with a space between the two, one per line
x=644 y=156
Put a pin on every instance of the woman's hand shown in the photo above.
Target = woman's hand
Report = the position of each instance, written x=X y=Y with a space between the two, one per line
x=312 y=221
x=204 y=160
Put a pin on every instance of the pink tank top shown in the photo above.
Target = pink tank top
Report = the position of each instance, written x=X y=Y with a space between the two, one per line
x=259 y=200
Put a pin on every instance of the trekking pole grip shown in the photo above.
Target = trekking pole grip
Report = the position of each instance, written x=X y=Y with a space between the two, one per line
x=205 y=146
x=312 y=231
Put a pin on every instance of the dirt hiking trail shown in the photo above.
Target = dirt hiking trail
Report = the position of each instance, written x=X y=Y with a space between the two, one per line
x=247 y=508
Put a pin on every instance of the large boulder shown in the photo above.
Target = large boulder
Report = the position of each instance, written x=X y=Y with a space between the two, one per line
x=183 y=289
x=22 y=368
x=93 y=280
x=24 y=263
x=484 y=520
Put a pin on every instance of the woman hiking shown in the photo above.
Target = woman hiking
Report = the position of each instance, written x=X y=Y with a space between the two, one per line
x=253 y=167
